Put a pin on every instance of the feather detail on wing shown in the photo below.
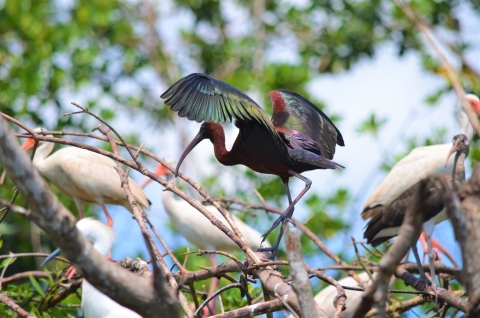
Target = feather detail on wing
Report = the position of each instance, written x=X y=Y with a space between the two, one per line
x=200 y=97
x=294 y=112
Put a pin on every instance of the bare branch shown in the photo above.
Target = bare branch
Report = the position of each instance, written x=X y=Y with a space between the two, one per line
x=158 y=278
x=59 y=224
x=301 y=282
x=215 y=294
x=302 y=228
x=466 y=222
x=412 y=15
x=14 y=307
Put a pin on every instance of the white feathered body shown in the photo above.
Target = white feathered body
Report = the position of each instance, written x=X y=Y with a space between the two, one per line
x=87 y=176
x=94 y=303
x=198 y=230
x=420 y=163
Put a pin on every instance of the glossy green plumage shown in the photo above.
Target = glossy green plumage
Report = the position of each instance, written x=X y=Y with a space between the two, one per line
x=200 y=97
x=299 y=114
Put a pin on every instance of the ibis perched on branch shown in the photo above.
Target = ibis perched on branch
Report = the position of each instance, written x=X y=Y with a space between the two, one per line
x=84 y=176
x=94 y=303
x=387 y=222
x=299 y=137
x=420 y=163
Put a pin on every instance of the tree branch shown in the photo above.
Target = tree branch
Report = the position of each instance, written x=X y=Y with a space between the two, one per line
x=14 y=307
x=59 y=224
x=466 y=222
x=301 y=283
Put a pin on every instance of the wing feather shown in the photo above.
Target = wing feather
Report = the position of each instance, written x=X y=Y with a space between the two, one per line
x=200 y=97
x=294 y=112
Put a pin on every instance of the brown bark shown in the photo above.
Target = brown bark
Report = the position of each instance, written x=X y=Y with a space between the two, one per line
x=59 y=224
x=466 y=225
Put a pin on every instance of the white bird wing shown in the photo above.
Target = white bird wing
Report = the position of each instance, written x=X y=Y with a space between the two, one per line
x=90 y=177
x=98 y=305
x=198 y=230
x=325 y=297
x=420 y=163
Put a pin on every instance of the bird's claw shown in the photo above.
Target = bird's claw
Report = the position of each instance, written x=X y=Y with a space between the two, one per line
x=422 y=283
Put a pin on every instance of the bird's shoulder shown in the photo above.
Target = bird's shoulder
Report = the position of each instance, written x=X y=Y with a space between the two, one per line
x=294 y=112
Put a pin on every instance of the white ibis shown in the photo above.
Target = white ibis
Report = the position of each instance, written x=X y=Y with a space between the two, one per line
x=387 y=222
x=94 y=303
x=84 y=176
x=196 y=228
x=420 y=163
x=327 y=295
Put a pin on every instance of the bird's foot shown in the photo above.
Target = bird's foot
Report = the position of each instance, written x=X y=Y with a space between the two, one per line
x=422 y=283
x=269 y=250
x=281 y=219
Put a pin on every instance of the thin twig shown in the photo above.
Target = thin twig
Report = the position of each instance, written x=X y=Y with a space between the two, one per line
x=5 y=268
x=215 y=294
x=14 y=307
x=359 y=258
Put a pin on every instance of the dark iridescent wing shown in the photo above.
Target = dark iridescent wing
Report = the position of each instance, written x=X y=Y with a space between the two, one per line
x=295 y=112
x=200 y=97
x=393 y=214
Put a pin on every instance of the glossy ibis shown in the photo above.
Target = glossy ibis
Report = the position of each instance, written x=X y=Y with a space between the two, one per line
x=94 y=303
x=299 y=137
x=84 y=176
x=387 y=222
x=420 y=163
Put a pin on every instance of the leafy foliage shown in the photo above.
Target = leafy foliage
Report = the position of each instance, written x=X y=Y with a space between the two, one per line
x=112 y=55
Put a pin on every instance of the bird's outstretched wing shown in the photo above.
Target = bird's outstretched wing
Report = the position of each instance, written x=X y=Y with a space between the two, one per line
x=294 y=112
x=200 y=97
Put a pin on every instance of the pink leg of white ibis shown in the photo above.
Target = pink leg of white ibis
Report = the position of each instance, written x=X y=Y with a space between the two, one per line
x=211 y=306
x=437 y=248
x=109 y=218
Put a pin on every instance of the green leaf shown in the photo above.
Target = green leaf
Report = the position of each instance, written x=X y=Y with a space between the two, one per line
x=49 y=276
x=36 y=285
x=7 y=261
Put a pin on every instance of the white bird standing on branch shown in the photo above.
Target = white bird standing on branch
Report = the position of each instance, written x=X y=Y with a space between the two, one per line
x=84 y=176
x=196 y=228
x=420 y=163
x=94 y=303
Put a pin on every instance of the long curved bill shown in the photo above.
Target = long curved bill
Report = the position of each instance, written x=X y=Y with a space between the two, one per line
x=51 y=256
x=198 y=138
x=456 y=146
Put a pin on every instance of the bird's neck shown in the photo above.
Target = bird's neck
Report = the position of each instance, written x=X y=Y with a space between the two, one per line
x=465 y=125
x=458 y=173
x=224 y=156
x=41 y=154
